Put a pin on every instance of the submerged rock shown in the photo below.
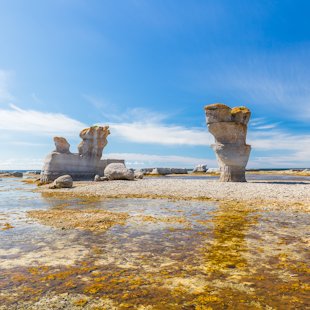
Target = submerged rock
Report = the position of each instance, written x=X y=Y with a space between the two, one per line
x=65 y=181
x=118 y=171
x=229 y=128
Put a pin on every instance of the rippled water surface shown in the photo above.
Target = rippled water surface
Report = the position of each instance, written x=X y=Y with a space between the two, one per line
x=165 y=255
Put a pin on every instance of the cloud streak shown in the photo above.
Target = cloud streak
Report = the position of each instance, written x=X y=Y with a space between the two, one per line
x=35 y=122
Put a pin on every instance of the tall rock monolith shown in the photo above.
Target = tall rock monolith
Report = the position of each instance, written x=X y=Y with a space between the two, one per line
x=229 y=128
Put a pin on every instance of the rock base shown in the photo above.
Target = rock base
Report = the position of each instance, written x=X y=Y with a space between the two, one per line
x=80 y=168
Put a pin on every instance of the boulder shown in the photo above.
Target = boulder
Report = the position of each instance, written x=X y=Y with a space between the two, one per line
x=229 y=128
x=118 y=171
x=17 y=174
x=161 y=171
x=65 y=181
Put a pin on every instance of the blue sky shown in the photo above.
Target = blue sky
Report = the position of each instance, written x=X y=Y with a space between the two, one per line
x=147 y=68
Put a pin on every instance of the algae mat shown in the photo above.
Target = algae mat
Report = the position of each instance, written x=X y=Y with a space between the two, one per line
x=149 y=254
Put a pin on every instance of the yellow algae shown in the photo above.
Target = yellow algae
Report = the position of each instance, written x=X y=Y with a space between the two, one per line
x=240 y=109
x=215 y=106
x=92 y=220
x=7 y=226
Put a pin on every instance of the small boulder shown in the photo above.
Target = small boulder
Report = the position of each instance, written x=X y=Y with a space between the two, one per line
x=98 y=178
x=65 y=181
x=118 y=171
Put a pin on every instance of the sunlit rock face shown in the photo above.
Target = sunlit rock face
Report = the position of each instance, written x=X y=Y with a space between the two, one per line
x=94 y=140
x=80 y=166
x=229 y=128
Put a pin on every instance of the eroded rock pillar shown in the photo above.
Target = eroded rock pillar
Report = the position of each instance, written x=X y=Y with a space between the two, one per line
x=229 y=128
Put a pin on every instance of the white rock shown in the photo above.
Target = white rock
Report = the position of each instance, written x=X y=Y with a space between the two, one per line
x=118 y=171
x=65 y=181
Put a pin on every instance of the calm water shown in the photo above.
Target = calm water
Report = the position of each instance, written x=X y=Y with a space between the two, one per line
x=167 y=255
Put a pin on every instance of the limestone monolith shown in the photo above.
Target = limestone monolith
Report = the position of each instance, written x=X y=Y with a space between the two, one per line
x=229 y=128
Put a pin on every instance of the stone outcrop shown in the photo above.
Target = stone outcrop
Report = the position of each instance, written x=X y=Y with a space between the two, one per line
x=80 y=166
x=229 y=128
x=118 y=171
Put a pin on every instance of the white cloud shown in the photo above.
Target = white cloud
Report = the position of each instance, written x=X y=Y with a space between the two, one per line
x=38 y=123
x=21 y=164
x=149 y=160
x=5 y=95
x=161 y=134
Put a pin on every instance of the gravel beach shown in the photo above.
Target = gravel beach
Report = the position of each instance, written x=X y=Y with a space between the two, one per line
x=280 y=193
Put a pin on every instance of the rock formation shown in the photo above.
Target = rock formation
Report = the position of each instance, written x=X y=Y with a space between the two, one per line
x=94 y=140
x=229 y=128
x=62 y=145
x=82 y=166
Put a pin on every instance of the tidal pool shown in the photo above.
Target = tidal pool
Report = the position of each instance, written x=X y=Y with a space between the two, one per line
x=64 y=253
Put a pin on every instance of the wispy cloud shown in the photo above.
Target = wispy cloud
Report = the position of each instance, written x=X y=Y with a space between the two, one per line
x=149 y=160
x=16 y=119
x=159 y=133
x=115 y=113
x=5 y=95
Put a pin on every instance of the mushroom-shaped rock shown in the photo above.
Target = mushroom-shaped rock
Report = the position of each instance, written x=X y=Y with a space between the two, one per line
x=62 y=145
x=229 y=128
x=118 y=171
x=94 y=140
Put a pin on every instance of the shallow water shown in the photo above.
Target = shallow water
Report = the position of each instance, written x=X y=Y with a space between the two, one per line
x=167 y=255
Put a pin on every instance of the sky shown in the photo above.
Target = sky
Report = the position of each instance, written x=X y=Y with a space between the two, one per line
x=147 y=68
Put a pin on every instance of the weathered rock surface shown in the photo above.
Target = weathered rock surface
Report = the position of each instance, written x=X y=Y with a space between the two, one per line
x=65 y=181
x=94 y=140
x=118 y=171
x=62 y=145
x=82 y=166
x=200 y=168
x=229 y=128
